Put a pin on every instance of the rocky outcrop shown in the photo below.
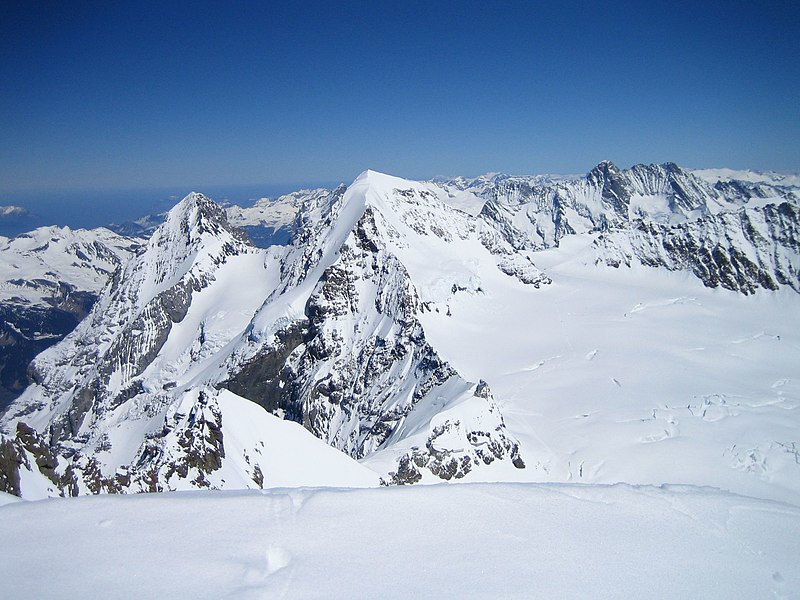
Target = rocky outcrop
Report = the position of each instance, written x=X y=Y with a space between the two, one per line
x=28 y=452
x=460 y=439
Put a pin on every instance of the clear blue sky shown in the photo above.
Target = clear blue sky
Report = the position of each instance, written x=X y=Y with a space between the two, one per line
x=122 y=95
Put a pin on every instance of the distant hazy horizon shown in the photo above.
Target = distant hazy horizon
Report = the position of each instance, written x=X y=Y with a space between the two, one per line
x=89 y=208
x=97 y=208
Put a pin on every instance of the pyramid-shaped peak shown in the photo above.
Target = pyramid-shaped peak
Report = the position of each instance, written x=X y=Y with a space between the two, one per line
x=194 y=217
x=604 y=168
x=195 y=201
x=376 y=178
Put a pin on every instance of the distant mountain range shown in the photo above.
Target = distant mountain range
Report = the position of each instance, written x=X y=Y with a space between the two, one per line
x=635 y=325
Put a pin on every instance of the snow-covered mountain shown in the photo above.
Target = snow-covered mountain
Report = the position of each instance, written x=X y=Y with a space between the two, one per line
x=271 y=221
x=268 y=222
x=49 y=279
x=631 y=325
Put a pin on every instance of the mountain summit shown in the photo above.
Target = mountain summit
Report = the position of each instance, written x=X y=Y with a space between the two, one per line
x=493 y=329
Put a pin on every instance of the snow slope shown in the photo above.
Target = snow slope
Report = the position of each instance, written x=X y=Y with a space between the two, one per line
x=445 y=541
x=637 y=375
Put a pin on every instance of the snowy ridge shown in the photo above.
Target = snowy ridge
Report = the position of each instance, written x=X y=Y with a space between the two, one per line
x=790 y=181
x=538 y=215
x=742 y=251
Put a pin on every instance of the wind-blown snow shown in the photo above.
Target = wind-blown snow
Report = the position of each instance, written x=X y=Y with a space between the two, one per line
x=456 y=541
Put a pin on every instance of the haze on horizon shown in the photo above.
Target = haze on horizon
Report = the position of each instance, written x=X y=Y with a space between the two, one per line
x=192 y=95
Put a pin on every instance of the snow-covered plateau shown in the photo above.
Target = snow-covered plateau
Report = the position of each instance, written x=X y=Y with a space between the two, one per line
x=610 y=361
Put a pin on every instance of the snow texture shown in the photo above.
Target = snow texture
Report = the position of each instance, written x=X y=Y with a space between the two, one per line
x=444 y=541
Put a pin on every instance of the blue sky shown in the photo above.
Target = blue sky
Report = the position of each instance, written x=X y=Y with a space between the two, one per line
x=122 y=95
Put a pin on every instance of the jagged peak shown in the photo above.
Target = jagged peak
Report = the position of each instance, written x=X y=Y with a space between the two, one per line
x=195 y=202
x=606 y=170
x=195 y=216
x=668 y=168
x=603 y=169
x=671 y=166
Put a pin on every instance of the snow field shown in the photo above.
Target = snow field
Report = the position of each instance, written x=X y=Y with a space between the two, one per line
x=443 y=541
x=635 y=374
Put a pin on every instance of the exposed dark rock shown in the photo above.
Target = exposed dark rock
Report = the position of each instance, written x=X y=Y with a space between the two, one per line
x=407 y=473
x=614 y=188
x=46 y=462
x=10 y=462
x=727 y=250
x=258 y=476
x=268 y=380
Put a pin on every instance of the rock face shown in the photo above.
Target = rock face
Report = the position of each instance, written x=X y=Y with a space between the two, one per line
x=333 y=331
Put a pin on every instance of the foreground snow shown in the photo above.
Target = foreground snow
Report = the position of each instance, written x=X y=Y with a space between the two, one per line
x=443 y=541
